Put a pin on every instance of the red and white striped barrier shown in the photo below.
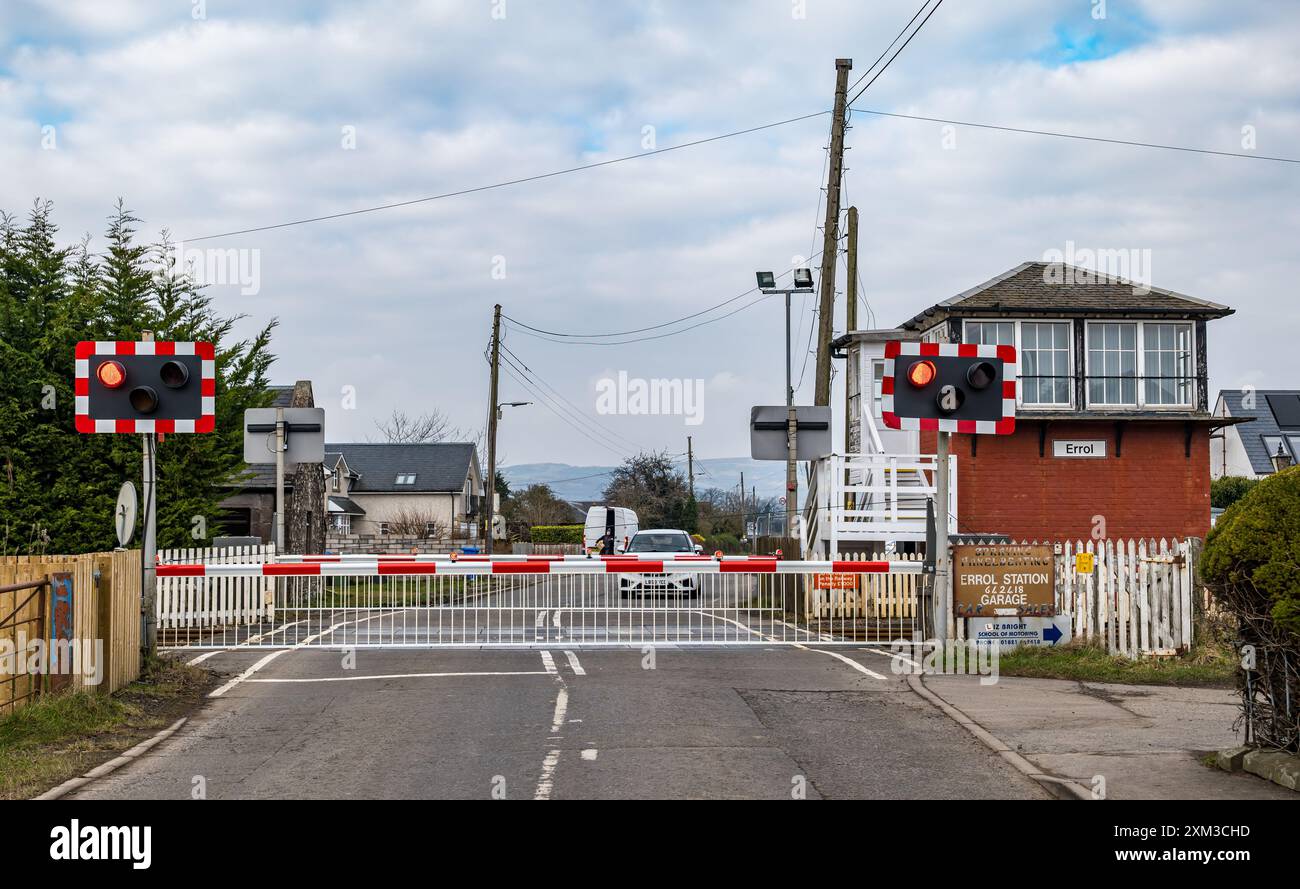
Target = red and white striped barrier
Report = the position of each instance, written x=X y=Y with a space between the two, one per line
x=382 y=567
x=444 y=557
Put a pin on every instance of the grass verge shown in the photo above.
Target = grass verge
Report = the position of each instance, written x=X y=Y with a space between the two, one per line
x=1205 y=666
x=58 y=737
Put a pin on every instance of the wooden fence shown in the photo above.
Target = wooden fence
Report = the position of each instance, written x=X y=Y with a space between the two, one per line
x=194 y=602
x=1143 y=595
x=98 y=606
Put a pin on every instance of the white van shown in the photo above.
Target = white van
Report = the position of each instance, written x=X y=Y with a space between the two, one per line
x=622 y=521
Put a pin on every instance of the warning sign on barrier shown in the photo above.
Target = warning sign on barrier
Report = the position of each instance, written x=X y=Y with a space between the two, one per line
x=835 y=581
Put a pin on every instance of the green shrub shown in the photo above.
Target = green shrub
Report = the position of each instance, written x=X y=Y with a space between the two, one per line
x=1228 y=490
x=1255 y=549
x=556 y=534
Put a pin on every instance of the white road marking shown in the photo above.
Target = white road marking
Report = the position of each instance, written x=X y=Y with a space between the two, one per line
x=559 y=634
x=275 y=654
x=406 y=676
x=546 y=782
x=573 y=662
x=835 y=654
x=549 y=662
x=892 y=654
x=590 y=754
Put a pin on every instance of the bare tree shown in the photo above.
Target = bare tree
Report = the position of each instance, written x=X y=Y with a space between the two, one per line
x=427 y=428
x=417 y=522
x=306 y=514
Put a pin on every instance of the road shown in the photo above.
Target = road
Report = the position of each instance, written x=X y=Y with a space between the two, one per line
x=755 y=722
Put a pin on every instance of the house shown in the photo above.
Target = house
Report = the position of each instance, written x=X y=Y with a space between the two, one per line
x=1269 y=422
x=404 y=490
x=1112 y=432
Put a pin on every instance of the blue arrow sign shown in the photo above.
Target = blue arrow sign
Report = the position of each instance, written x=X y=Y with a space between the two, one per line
x=1052 y=634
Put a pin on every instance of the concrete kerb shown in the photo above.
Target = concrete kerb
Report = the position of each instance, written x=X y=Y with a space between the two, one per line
x=1061 y=788
x=113 y=764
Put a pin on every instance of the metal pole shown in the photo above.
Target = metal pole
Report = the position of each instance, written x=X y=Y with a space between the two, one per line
x=791 y=434
x=942 y=584
x=279 y=480
x=149 y=543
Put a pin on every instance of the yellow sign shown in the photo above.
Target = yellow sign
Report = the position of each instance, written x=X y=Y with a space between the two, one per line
x=1084 y=563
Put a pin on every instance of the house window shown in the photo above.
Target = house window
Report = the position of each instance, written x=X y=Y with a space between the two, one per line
x=1273 y=443
x=877 y=376
x=383 y=529
x=1045 y=371
x=430 y=529
x=343 y=524
x=1112 y=364
x=1167 y=368
x=334 y=482
x=990 y=333
x=405 y=478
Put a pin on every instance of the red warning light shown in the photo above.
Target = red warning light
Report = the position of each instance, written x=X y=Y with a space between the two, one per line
x=921 y=373
x=111 y=374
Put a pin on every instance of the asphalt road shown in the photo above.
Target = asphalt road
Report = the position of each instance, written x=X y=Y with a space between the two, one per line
x=757 y=722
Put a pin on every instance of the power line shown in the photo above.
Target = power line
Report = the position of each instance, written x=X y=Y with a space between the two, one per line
x=547 y=404
x=896 y=53
x=888 y=48
x=1136 y=144
x=523 y=367
x=509 y=182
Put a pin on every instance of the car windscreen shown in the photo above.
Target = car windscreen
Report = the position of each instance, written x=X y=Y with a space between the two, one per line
x=660 y=543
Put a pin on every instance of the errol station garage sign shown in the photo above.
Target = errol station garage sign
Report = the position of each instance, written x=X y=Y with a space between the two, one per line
x=1004 y=580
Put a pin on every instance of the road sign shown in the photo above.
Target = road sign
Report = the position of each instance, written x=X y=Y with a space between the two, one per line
x=304 y=435
x=1009 y=632
x=949 y=387
x=1084 y=563
x=125 y=514
x=768 y=429
x=145 y=387
x=1004 y=580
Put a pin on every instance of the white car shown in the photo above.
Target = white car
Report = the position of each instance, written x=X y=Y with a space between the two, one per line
x=665 y=542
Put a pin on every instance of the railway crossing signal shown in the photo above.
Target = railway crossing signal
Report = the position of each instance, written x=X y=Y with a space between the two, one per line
x=949 y=387
x=146 y=386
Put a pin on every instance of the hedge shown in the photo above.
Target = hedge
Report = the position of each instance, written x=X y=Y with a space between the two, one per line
x=556 y=534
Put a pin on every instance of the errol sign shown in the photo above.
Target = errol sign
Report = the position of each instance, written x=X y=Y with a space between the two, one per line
x=1004 y=580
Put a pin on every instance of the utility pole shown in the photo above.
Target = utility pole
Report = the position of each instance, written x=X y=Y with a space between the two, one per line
x=791 y=435
x=690 y=466
x=742 y=503
x=831 y=235
x=491 y=483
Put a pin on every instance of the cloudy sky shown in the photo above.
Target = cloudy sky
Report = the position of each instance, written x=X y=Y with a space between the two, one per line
x=218 y=116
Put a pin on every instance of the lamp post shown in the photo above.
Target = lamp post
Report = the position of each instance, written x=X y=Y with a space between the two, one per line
x=491 y=483
x=1281 y=460
x=803 y=283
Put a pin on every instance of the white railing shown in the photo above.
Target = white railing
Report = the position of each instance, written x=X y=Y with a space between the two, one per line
x=873 y=497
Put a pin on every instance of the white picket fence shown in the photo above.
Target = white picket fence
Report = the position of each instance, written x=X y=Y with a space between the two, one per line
x=873 y=596
x=215 y=601
x=1138 y=598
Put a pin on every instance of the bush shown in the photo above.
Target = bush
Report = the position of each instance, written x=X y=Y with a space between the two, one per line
x=1254 y=549
x=556 y=534
x=728 y=543
x=1228 y=490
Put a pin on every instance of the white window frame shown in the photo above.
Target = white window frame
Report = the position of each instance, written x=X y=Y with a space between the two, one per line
x=1140 y=380
x=1071 y=358
x=342 y=524
x=383 y=529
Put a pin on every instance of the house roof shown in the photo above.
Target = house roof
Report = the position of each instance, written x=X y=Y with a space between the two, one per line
x=438 y=468
x=1045 y=287
x=1274 y=413
x=283 y=396
x=344 y=506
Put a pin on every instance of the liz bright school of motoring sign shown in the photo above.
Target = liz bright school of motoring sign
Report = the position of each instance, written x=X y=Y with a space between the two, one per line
x=1004 y=580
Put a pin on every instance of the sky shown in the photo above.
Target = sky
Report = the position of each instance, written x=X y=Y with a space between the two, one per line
x=219 y=116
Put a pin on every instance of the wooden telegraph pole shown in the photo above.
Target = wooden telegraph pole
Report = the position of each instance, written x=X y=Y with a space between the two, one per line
x=831 y=234
x=490 y=484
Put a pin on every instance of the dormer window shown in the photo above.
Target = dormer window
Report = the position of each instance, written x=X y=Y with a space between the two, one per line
x=405 y=478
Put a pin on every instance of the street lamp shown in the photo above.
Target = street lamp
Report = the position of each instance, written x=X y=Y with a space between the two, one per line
x=1281 y=460
x=803 y=283
x=500 y=413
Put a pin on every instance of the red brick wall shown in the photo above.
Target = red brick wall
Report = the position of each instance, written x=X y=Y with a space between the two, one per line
x=1152 y=490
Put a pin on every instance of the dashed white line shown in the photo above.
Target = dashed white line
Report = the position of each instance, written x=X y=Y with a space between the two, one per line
x=573 y=662
x=590 y=754
x=549 y=662
x=546 y=782
x=403 y=676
